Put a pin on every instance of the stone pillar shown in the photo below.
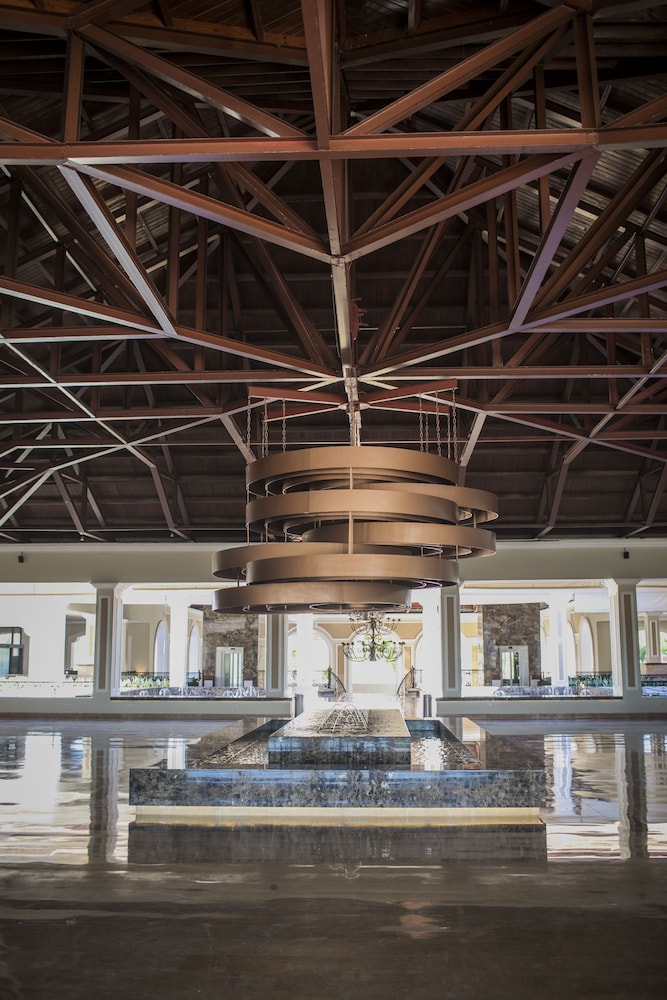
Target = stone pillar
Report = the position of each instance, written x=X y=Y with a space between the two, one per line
x=178 y=639
x=276 y=655
x=625 y=666
x=108 y=638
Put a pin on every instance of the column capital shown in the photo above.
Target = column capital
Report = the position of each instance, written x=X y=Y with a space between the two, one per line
x=111 y=587
x=617 y=581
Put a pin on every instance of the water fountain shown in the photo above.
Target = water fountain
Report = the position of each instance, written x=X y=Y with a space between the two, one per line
x=342 y=734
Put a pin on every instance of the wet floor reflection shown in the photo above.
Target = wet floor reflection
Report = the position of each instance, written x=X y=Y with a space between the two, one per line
x=606 y=786
x=64 y=798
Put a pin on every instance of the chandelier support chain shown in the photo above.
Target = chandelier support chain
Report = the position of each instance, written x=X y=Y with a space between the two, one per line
x=265 y=430
x=284 y=427
x=455 y=442
x=421 y=425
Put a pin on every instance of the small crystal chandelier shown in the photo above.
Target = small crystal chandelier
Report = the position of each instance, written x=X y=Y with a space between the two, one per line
x=368 y=641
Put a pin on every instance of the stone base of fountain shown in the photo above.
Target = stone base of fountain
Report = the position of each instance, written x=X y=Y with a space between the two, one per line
x=442 y=773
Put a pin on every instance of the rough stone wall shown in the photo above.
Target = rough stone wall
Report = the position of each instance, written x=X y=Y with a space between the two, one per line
x=230 y=630
x=510 y=625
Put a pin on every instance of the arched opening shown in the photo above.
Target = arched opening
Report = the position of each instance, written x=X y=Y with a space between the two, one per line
x=375 y=681
x=569 y=651
x=194 y=657
x=161 y=651
x=308 y=666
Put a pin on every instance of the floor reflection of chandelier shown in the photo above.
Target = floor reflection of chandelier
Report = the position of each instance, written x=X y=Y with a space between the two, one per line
x=353 y=528
x=369 y=641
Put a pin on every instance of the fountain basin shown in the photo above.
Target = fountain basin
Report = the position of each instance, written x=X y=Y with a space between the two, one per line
x=242 y=775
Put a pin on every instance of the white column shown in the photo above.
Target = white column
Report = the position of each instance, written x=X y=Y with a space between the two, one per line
x=558 y=608
x=441 y=659
x=304 y=650
x=108 y=637
x=304 y=659
x=625 y=666
x=450 y=636
x=178 y=638
x=430 y=655
x=276 y=655
x=43 y=620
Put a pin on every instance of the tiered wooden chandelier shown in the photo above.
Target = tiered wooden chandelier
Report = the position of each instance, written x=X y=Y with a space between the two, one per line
x=353 y=528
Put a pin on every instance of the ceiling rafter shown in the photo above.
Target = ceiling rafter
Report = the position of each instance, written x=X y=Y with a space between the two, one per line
x=464 y=71
x=151 y=186
x=474 y=118
x=396 y=326
x=433 y=34
x=270 y=275
x=560 y=219
x=191 y=126
x=104 y=274
x=82 y=307
x=189 y=83
x=625 y=201
x=322 y=57
x=264 y=239
x=341 y=147
x=475 y=193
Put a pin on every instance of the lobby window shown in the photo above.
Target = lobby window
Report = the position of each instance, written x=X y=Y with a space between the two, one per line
x=11 y=651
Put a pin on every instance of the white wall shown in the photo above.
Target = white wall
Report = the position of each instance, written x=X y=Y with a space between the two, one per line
x=42 y=616
x=190 y=563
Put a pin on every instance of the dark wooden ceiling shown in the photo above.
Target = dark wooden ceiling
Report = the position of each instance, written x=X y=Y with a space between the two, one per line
x=255 y=224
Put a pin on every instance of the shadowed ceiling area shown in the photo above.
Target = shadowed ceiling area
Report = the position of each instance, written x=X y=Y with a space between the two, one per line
x=229 y=229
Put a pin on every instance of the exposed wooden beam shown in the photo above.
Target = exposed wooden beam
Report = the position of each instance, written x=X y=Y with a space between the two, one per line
x=99 y=11
x=619 y=208
x=120 y=247
x=189 y=83
x=464 y=71
x=322 y=57
x=209 y=208
x=572 y=192
x=341 y=147
x=476 y=193
x=82 y=307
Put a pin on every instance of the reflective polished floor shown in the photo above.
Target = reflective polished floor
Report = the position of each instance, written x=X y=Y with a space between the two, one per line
x=80 y=918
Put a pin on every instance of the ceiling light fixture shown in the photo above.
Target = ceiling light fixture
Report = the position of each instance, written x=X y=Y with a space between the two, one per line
x=351 y=528
x=369 y=641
